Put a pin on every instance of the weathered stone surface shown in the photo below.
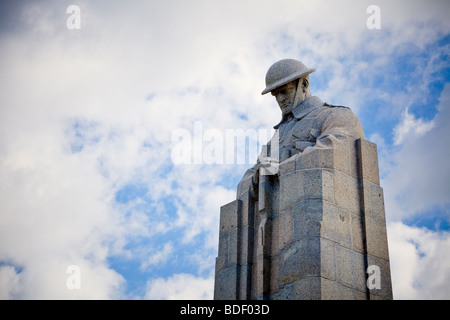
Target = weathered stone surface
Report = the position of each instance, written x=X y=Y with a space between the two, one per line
x=336 y=224
x=357 y=233
x=305 y=184
x=303 y=289
x=287 y=166
x=307 y=217
x=229 y=216
x=368 y=161
x=245 y=238
x=346 y=192
x=327 y=259
x=385 y=290
x=316 y=158
x=225 y=285
x=299 y=260
x=244 y=280
x=228 y=250
x=274 y=272
x=244 y=186
x=350 y=268
x=332 y=290
x=258 y=277
x=285 y=228
x=376 y=238
x=311 y=230
x=342 y=158
x=324 y=229
x=377 y=203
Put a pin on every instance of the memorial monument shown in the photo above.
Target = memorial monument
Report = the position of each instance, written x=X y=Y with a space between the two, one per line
x=308 y=221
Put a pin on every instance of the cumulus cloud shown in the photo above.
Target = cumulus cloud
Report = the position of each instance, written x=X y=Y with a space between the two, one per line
x=416 y=184
x=180 y=287
x=419 y=177
x=420 y=263
x=87 y=115
x=159 y=257
x=9 y=282
x=55 y=213
x=411 y=126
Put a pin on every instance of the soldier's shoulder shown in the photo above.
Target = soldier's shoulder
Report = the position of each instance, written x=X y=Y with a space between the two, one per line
x=334 y=106
x=336 y=109
x=337 y=115
x=343 y=117
x=326 y=110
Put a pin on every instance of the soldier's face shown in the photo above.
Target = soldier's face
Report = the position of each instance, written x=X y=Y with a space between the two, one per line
x=285 y=96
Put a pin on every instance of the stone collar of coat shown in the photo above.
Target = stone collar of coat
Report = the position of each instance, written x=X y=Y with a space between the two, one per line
x=305 y=107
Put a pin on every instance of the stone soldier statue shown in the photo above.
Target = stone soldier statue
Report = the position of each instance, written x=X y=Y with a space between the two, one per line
x=307 y=122
x=308 y=221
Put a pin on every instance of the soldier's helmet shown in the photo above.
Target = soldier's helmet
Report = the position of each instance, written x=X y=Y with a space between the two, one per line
x=284 y=71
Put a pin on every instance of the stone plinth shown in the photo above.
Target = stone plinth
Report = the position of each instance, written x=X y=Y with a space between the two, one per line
x=311 y=232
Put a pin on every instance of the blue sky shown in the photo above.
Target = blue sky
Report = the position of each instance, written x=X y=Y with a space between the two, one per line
x=87 y=118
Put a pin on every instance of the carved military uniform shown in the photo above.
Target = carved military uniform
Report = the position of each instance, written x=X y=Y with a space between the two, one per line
x=314 y=124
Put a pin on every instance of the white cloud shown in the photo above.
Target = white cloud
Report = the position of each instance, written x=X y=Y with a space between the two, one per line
x=420 y=262
x=418 y=177
x=159 y=257
x=55 y=214
x=180 y=287
x=9 y=283
x=199 y=203
x=416 y=184
x=411 y=126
